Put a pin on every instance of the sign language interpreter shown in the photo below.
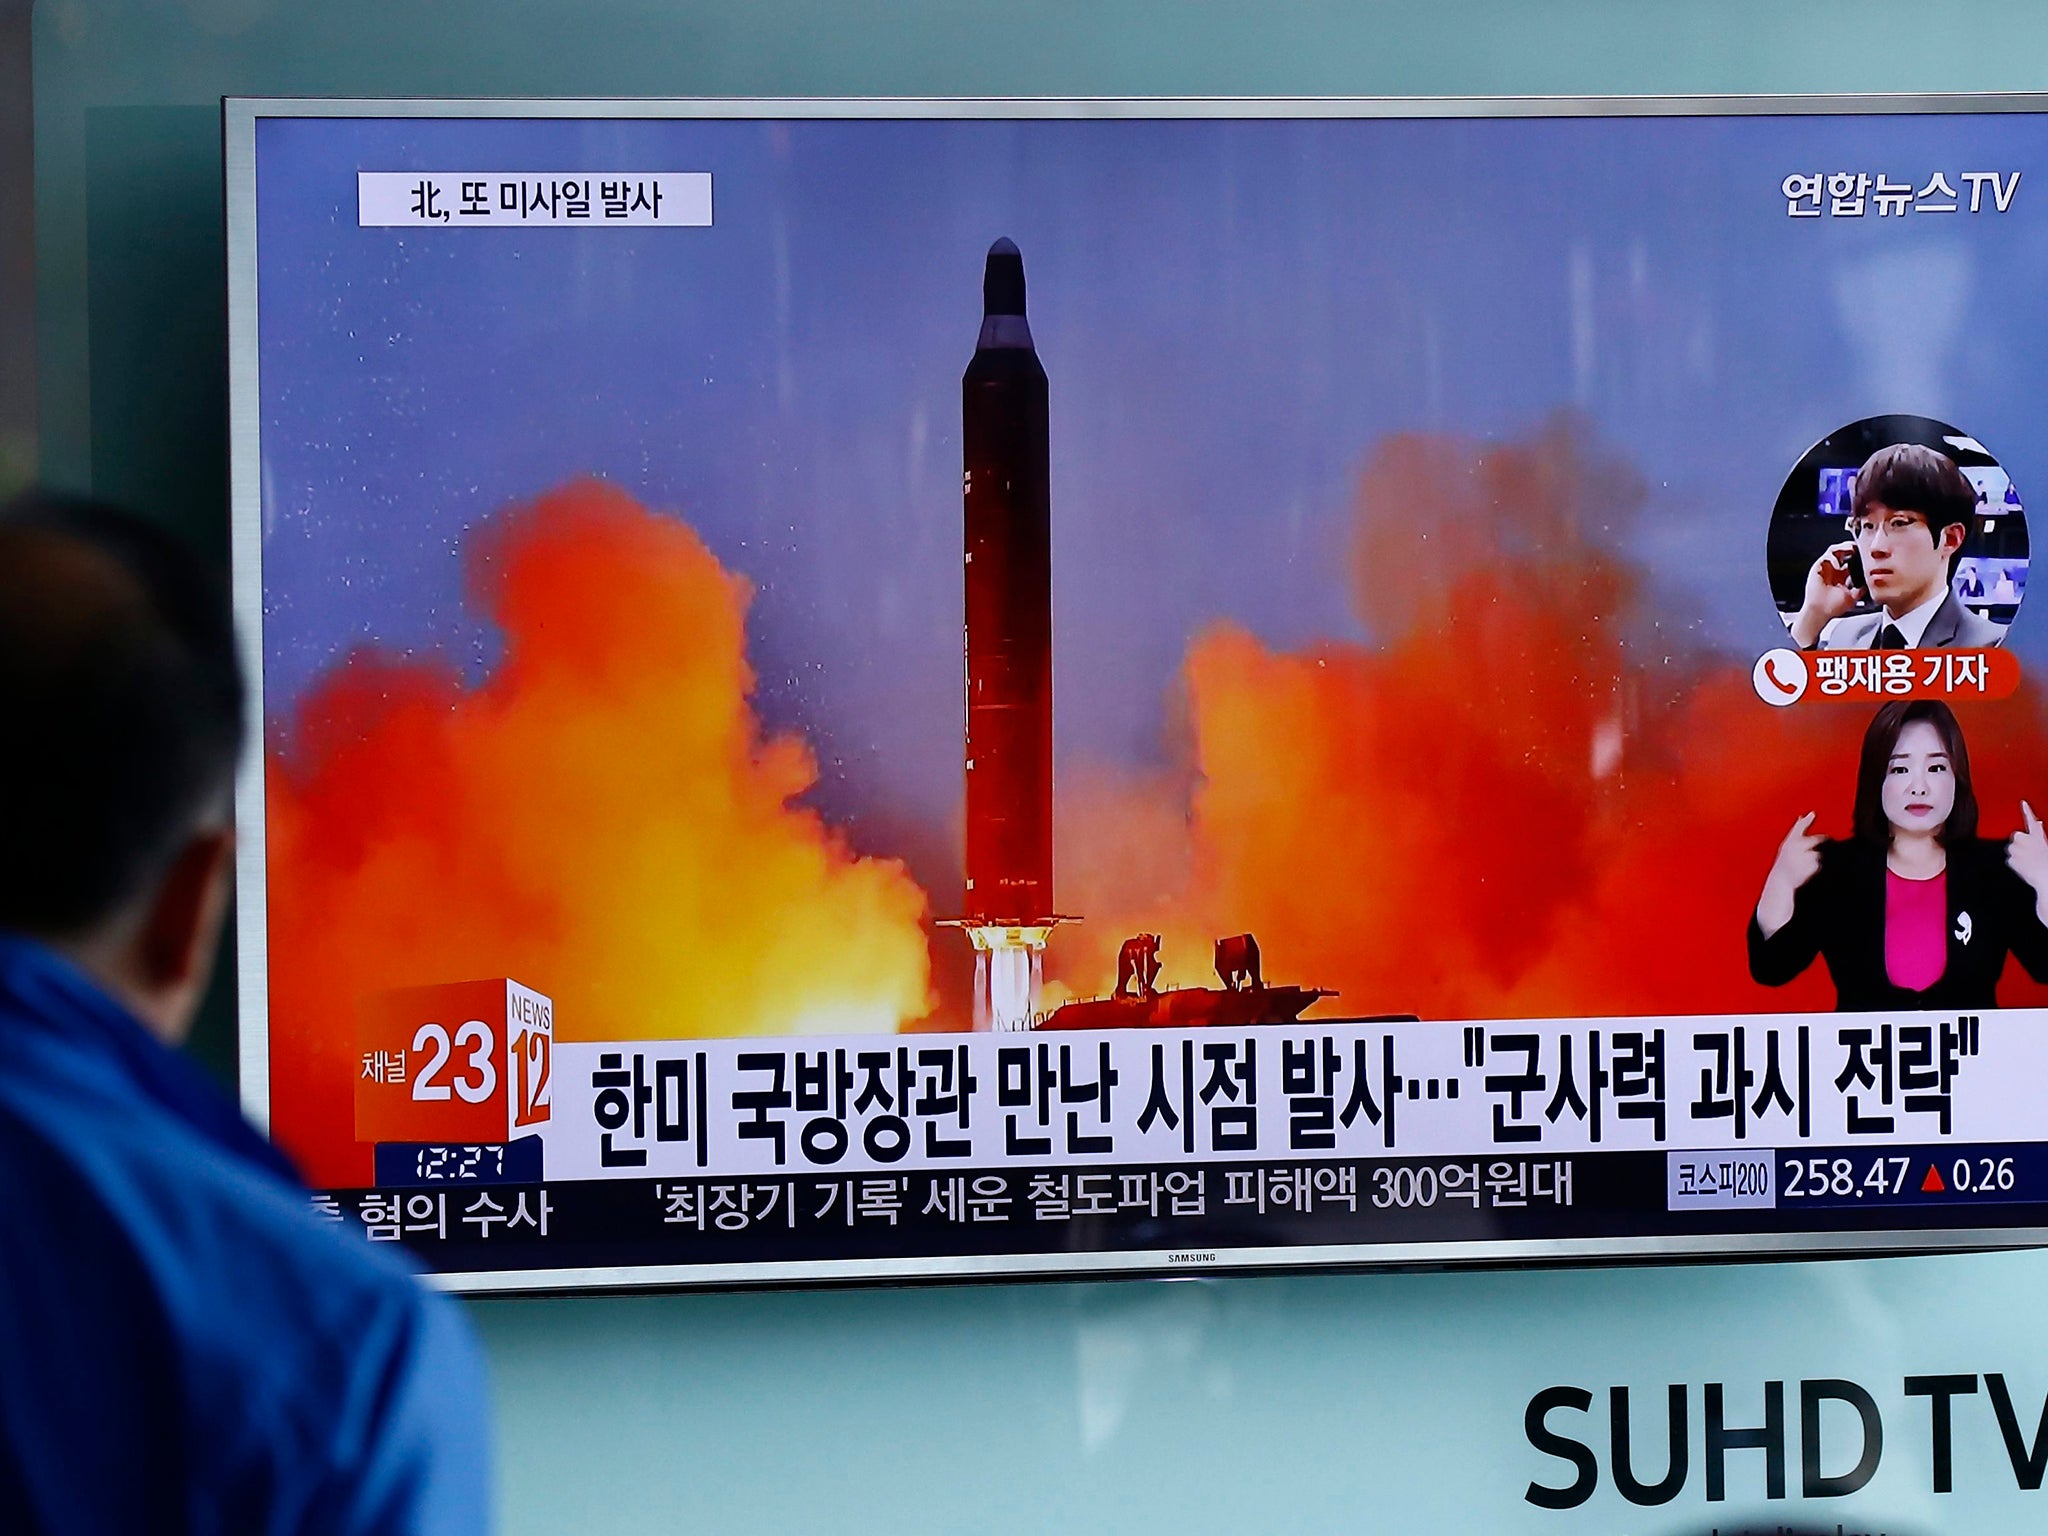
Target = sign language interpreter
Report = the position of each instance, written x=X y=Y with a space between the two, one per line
x=1913 y=910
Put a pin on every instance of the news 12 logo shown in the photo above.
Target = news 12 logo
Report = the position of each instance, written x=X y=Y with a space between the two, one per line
x=463 y=1063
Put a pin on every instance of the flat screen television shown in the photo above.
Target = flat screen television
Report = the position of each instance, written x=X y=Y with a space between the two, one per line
x=879 y=690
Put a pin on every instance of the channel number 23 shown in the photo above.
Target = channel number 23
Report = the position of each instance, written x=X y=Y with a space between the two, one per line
x=475 y=1077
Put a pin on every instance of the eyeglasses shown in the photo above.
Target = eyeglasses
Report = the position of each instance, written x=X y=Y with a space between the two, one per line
x=1894 y=523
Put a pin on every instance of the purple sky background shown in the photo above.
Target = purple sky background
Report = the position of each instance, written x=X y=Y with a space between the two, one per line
x=1232 y=314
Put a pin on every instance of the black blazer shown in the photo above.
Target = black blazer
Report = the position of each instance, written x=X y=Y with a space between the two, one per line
x=1839 y=915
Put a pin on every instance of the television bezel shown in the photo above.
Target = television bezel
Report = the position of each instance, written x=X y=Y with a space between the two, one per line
x=241 y=115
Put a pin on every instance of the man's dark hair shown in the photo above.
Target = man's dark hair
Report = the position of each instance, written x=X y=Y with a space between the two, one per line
x=120 y=708
x=1910 y=478
x=1881 y=740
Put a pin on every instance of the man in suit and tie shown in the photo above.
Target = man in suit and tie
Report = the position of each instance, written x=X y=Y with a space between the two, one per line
x=1909 y=518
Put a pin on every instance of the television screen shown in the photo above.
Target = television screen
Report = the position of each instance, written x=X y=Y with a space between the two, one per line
x=859 y=690
x=1837 y=491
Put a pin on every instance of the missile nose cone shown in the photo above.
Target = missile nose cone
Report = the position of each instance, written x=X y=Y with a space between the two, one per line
x=1002 y=281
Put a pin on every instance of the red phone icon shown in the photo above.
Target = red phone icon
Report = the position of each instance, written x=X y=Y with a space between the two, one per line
x=1777 y=682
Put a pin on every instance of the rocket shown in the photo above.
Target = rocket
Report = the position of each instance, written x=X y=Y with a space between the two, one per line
x=1006 y=485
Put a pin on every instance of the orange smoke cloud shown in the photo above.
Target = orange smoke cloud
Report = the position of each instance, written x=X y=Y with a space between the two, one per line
x=1519 y=802
x=603 y=819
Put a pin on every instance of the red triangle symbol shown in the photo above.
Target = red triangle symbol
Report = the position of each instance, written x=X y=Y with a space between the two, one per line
x=1932 y=1185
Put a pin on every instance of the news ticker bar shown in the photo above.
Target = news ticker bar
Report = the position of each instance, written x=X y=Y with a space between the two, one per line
x=1334 y=1089
x=488 y=1223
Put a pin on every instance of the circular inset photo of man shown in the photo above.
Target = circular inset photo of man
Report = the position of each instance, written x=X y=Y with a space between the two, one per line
x=1898 y=533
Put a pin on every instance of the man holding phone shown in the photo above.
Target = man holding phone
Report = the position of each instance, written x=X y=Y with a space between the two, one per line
x=1908 y=521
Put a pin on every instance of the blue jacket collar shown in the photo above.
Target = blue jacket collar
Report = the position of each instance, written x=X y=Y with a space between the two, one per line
x=41 y=990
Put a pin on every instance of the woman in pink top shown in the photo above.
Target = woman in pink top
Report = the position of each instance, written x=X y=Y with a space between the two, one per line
x=1914 y=910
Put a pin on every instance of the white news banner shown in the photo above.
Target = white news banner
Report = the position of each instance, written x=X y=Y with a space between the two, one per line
x=451 y=199
x=671 y=1108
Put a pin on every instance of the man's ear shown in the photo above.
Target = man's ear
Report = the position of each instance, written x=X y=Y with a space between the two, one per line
x=175 y=946
x=1951 y=537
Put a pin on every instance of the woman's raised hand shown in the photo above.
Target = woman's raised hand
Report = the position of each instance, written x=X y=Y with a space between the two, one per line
x=2027 y=853
x=1798 y=860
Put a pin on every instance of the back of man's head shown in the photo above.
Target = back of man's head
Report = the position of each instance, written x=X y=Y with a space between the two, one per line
x=121 y=702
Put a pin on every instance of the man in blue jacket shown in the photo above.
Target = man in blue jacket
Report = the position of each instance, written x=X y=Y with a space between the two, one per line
x=185 y=1347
